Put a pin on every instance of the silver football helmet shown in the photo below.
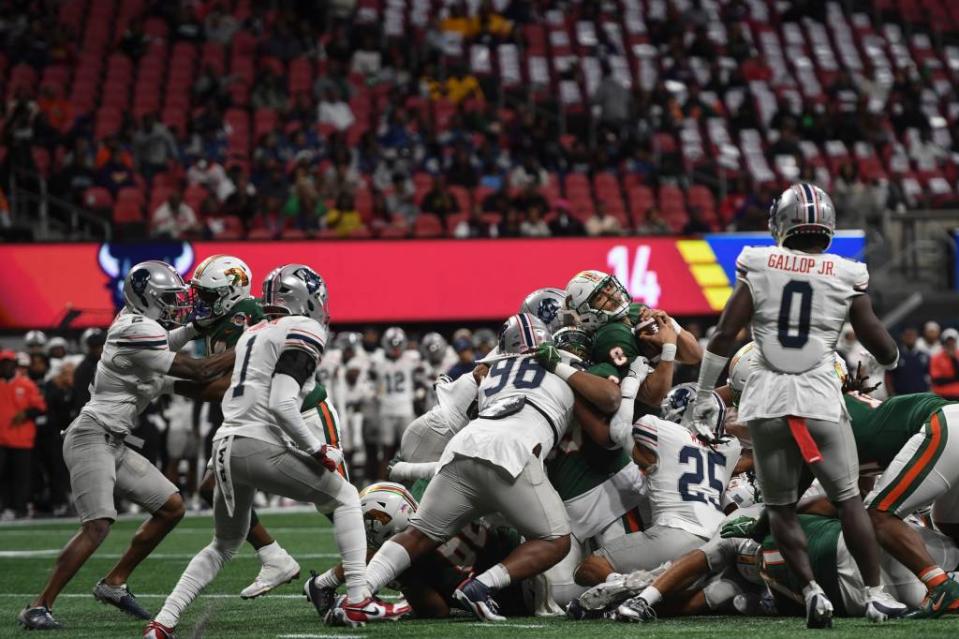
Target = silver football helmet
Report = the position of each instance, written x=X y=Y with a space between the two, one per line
x=219 y=283
x=154 y=289
x=348 y=339
x=802 y=209
x=598 y=298
x=394 y=339
x=433 y=348
x=548 y=304
x=681 y=396
x=35 y=341
x=295 y=289
x=575 y=340
x=522 y=333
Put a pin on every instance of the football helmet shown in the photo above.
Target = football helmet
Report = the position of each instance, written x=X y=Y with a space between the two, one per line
x=484 y=340
x=597 y=298
x=575 y=340
x=218 y=283
x=155 y=290
x=741 y=491
x=740 y=365
x=387 y=508
x=295 y=289
x=681 y=396
x=394 y=340
x=348 y=339
x=802 y=209
x=91 y=337
x=35 y=341
x=56 y=343
x=433 y=348
x=522 y=333
x=548 y=304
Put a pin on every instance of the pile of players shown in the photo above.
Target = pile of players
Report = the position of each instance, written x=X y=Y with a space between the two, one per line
x=543 y=483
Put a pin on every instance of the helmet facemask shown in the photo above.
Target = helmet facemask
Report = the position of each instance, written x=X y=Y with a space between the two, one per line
x=608 y=302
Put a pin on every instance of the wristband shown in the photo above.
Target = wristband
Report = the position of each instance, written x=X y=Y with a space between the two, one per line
x=669 y=353
x=564 y=371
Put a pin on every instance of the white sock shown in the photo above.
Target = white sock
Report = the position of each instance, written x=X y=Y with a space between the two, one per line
x=389 y=561
x=651 y=595
x=270 y=552
x=496 y=577
x=202 y=569
x=328 y=579
x=350 y=536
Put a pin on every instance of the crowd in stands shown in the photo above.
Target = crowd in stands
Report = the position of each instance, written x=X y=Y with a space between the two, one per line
x=235 y=118
x=44 y=385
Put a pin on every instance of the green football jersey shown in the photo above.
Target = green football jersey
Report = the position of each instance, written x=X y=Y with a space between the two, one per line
x=882 y=429
x=225 y=332
x=822 y=534
x=614 y=346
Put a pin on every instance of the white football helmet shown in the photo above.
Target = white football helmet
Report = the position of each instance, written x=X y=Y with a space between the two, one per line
x=681 y=396
x=218 y=283
x=802 y=209
x=394 y=339
x=155 y=290
x=387 y=508
x=741 y=491
x=548 y=304
x=597 y=298
x=741 y=365
x=295 y=289
x=522 y=333
x=433 y=348
x=35 y=341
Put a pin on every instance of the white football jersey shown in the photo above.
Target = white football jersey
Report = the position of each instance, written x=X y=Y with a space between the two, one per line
x=135 y=357
x=686 y=485
x=326 y=372
x=395 y=379
x=246 y=404
x=800 y=303
x=509 y=441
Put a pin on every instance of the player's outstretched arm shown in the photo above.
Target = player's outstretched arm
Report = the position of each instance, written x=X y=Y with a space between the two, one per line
x=658 y=383
x=205 y=392
x=293 y=369
x=738 y=312
x=202 y=370
x=871 y=332
x=599 y=391
x=593 y=423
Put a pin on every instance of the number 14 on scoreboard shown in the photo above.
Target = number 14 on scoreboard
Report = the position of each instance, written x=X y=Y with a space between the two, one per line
x=642 y=283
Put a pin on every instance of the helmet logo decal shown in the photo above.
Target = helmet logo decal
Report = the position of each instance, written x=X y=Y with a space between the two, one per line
x=239 y=276
x=138 y=281
x=548 y=310
x=312 y=280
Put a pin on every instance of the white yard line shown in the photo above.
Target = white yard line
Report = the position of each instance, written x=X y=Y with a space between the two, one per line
x=319 y=636
x=181 y=530
x=53 y=552
x=506 y=625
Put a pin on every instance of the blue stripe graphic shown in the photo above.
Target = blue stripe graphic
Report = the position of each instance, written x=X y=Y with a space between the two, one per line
x=810 y=203
x=309 y=340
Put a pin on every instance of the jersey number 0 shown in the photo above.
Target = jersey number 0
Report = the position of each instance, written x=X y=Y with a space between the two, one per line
x=801 y=336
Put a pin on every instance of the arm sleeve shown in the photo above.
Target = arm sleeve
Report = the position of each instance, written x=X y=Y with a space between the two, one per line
x=408 y=471
x=179 y=337
x=645 y=433
x=620 y=426
x=285 y=406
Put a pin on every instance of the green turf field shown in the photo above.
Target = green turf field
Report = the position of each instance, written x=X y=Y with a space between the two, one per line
x=27 y=553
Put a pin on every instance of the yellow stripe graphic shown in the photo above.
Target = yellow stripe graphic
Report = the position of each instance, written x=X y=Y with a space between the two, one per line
x=706 y=271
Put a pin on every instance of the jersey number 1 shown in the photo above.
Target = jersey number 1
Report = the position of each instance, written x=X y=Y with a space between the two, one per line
x=804 y=290
x=238 y=391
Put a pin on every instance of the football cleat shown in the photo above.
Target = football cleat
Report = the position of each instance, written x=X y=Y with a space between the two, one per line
x=576 y=612
x=120 y=597
x=476 y=597
x=156 y=630
x=941 y=600
x=883 y=606
x=356 y=615
x=273 y=573
x=818 y=610
x=636 y=609
x=321 y=598
x=38 y=618
x=616 y=589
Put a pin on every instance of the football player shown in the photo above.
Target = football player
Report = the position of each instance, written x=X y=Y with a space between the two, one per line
x=142 y=346
x=429 y=583
x=265 y=443
x=224 y=306
x=796 y=298
x=623 y=330
x=685 y=482
x=394 y=369
x=494 y=464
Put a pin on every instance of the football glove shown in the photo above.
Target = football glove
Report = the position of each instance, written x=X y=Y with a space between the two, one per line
x=547 y=355
x=740 y=527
